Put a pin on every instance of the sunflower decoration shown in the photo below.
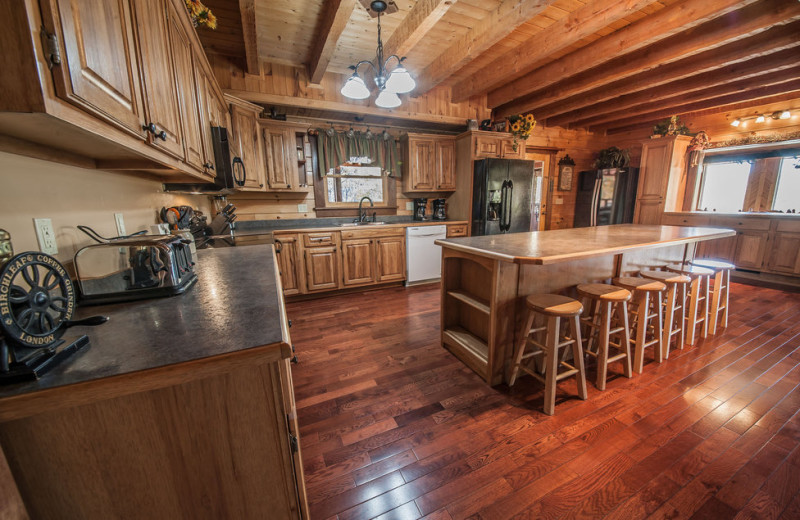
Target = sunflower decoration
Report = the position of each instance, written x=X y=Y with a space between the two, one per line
x=200 y=14
x=521 y=127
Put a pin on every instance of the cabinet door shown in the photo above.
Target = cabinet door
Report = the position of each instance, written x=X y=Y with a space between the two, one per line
x=784 y=255
x=358 y=261
x=204 y=110
x=649 y=211
x=244 y=130
x=391 y=253
x=655 y=169
x=185 y=79
x=487 y=146
x=99 y=71
x=446 y=164
x=158 y=76
x=276 y=142
x=750 y=247
x=422 y=164
x=290 y=264
x=507 y=150
x=719 y=249
x=322 y=268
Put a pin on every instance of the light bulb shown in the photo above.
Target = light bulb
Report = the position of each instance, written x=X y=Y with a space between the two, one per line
x=760 y=119
x=354 y=88
x=736 y=122
x=400 y=81
x=786 y=114
x=387 y=99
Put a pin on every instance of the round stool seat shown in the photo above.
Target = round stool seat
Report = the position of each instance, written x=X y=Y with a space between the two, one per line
x=553 y=305
x=604 y=292
x=713 y=264
x=690 y=270
x=665 y=276
x=639 y=284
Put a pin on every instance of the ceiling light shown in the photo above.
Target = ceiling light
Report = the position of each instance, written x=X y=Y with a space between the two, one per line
x=389 y=84
x=736 y=122
x=786 y=114
x=760 y=119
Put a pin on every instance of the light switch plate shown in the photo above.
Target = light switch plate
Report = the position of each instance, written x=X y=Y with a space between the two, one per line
x=120 y=221
x=46 y=235
x=302 y=208
x=410 y=206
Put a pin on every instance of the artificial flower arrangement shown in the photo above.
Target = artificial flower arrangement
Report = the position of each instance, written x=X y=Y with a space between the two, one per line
x=699 y=142
x=200 y=14
x=671 y=126
x=521 y=126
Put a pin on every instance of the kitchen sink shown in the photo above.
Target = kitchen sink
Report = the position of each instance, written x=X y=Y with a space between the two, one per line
x=354 y=224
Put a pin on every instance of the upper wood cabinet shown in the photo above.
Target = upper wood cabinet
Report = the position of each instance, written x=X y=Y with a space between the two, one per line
x=429 y=163
x=98 y=70
x=662 y=178
x=495 y=145
x=280 y=155
x=245 y=139
x=212 y=110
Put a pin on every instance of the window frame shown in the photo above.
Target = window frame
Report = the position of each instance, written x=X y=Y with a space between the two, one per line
x=384 y=188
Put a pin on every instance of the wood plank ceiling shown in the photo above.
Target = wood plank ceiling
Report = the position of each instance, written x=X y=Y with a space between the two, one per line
x=600 y=64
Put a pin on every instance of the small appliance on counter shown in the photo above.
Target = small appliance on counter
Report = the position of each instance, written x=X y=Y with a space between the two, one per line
x=133 y=268
x=420 y=209
x=439 y=212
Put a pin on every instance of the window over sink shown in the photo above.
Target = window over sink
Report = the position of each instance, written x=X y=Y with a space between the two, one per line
x=346 y=185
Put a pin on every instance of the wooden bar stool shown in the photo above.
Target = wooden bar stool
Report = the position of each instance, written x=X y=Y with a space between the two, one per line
x=698 y=297
x=553 y=307
x=609 y=301
x=674 y=306
x=647 y=300
x=719 y=293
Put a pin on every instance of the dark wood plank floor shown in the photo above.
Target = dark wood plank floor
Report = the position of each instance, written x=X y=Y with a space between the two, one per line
x=393 y=426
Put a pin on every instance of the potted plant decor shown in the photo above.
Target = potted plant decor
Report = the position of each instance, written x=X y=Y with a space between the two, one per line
x=612 y=157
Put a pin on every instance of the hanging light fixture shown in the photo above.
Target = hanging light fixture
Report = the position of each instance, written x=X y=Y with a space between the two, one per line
x=389 y=84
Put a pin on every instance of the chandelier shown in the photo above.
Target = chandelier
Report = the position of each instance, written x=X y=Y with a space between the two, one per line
x=389 y=84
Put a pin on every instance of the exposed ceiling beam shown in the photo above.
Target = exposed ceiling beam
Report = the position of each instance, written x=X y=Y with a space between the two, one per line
x=504 y=19
x=655 y=27
x=761 y=45
x=335 y=16
x=734 y=26
x=646 y=100
x=789 y=88
x=579 y=24
x=416 y=24
x=247 y=8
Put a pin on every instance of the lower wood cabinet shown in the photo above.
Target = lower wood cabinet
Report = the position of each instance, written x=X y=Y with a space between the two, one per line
x=358 y=261
x=391 y=258
x=322 y=268
x=290 y=264
x=784 y=253
x=750 y=249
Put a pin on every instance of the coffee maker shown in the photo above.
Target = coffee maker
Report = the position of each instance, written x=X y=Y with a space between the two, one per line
x=420 y=208
x=439 y=212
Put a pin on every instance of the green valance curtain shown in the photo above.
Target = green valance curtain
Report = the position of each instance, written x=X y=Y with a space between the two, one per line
x=337 y=149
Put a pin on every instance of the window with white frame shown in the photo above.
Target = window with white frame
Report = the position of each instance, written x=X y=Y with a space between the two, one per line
x=787 y=191
x=724 y=186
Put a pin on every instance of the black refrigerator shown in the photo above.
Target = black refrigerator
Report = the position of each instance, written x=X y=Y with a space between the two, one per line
x=606 y=197
x=505 y=196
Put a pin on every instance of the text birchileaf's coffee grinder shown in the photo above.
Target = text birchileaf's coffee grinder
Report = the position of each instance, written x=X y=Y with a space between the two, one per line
x=37 y=301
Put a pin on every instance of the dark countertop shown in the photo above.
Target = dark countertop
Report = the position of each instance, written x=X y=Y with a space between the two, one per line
x=739 y=214
x=254 y=227
x=564 y=245
x=234 y=305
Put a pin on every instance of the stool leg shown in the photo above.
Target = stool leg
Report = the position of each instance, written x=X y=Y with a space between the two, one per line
x=727 y=286
x=643 y=304
x=669 y=318
x=602 y=350
x=577 y=358
x=626 y=340
x=694 y=293
x=682 y=318
x=593 y=333
x=714 y=313
x=659 y=329
x=512 y=377
x=704 y=283
x=551 y=364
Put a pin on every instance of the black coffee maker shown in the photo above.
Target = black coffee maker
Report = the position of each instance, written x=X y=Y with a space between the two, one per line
x=439 y=212
x=420 y=207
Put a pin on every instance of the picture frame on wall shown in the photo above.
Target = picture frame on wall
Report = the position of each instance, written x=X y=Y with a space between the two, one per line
x=566 y=171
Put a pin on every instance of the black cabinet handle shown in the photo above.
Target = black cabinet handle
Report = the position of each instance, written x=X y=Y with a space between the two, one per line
x=162 y=135
x=149 y=127
x=208 y=165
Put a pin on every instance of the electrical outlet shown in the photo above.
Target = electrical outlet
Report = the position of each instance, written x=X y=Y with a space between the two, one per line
x=46 y=235
x=410 y=206
x=120 y=224
x=302 y=208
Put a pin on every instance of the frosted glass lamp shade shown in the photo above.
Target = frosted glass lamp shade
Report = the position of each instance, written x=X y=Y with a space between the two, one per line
x=354 y=88
x=387 y=99
x=400 y=81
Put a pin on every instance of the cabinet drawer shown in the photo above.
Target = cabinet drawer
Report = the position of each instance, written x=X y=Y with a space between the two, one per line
x=790 y=226
x=682 y=220
x=373 y=233
x=327 y=238
x=456 y=230
x=755 y=224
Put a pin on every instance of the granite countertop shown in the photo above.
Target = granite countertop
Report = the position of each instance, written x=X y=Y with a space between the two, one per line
x=234 y=305
x=564 y=245
x=256 y=227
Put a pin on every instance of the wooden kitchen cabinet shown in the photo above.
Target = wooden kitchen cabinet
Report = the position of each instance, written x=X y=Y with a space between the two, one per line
x=245 y=138
x=277 y=142
x=445 y=173
x=358 y=261
x=661 y=171
x=456 y=230
x=213 y=112
x=429 y=163
x=784 y=253
x=495 y=145
x=391 y=258
x=750 y=249
x=322 y=268
x=290 y=264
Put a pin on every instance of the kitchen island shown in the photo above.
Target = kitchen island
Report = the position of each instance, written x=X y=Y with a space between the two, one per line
x=181 y=407
x=485 y=279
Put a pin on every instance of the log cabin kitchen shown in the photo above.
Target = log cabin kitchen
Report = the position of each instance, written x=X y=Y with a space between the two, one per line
x=441 y=259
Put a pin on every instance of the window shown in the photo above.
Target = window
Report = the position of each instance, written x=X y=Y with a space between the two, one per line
x=787 y=193
x=724 y=186
x=350 y=183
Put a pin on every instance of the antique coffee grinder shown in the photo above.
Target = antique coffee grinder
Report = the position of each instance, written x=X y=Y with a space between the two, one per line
x=37 y=300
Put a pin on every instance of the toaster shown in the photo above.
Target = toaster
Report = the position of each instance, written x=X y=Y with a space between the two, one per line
x=134 y=268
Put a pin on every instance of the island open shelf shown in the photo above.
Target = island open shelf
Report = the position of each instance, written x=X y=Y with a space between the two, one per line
x=485 y=279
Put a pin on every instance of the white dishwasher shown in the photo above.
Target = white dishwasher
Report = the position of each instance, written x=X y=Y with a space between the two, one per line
x=423 y=257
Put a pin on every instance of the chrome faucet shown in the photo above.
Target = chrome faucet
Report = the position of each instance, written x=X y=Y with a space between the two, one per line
x=362 y=215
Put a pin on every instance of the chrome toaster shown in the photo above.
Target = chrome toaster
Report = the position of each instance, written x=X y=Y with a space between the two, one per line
x=134 y=268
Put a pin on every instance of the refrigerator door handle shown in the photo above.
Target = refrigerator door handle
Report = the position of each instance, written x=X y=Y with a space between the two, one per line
x=595 y=201
x=503 y=206
x=510 y=196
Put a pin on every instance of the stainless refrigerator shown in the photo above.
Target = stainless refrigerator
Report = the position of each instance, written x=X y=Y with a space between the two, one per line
x=606 y=197
x=506 y=196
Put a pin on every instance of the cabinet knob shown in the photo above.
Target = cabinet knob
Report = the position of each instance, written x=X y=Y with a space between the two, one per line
x=162 y=135
x=149 y=127
x=208 y=166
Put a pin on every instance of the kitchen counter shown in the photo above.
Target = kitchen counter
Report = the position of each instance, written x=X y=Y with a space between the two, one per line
x=748 y=214
x=304 y=227
x=214 y=317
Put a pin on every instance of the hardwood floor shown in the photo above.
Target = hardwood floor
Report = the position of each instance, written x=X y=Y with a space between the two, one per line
x=393 y=426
